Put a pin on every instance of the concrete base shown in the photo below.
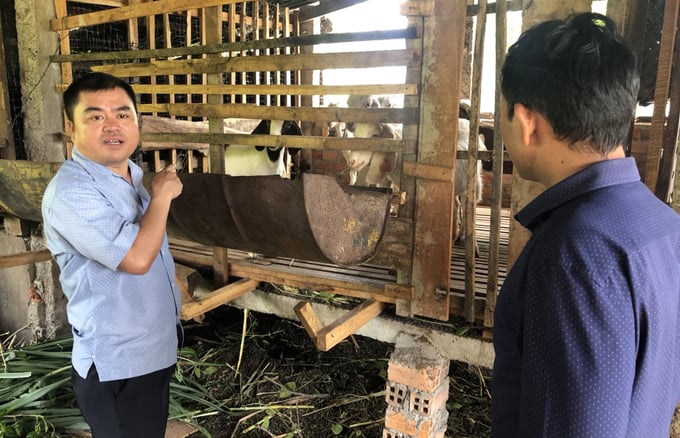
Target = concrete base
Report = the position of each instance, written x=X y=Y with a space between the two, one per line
x=382 y=328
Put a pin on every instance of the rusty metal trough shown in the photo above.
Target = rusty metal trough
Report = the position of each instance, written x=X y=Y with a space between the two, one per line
x=314 y=217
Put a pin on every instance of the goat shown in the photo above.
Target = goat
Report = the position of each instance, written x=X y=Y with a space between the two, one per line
x=336 y=129
x=242 y=160
x=461 y=189
x=379 y=165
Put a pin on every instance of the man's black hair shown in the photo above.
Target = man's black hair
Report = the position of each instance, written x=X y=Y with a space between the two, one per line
x=580 y=75
x=96 y=81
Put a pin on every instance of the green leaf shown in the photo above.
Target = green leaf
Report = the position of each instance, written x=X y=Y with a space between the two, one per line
x=287 y=390
x=460 y=331
x=21 y=375
x=337 y=429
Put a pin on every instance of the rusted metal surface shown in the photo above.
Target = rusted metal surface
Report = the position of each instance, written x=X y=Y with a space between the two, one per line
x=313 y=217
x=22 y=184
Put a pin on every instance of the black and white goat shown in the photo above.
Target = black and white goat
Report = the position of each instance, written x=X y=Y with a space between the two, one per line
x=243 y=160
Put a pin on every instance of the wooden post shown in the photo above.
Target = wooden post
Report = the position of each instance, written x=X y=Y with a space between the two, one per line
x=443 y=34
x=524 y=191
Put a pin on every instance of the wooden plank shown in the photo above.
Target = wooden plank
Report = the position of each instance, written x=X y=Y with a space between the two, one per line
x=217 y=298
x=494 y=263
x=419 y=8
x=326 y=7
x=470 y=208
x=302 y=142
x=310 y=321
x=348 y=324
x=406 y=116
x=187 y=280
x=215 y=124
x=322 y=282
x=443 y=36
x=24 y=258
x=291 y=89
x=130 y=12
x=236 y=46
x=429 y=171
x=316 y=61
x=656 y=146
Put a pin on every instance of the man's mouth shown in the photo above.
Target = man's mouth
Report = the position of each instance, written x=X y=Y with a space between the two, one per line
x=112 y=142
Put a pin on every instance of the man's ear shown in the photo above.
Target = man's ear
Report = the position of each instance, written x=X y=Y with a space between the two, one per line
x=69 y=128
x=527 y=122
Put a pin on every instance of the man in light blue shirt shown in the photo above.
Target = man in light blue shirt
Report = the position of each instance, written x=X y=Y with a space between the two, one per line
x=107 y=235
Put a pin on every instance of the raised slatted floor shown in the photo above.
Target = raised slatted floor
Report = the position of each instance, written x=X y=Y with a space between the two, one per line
x=361 y=280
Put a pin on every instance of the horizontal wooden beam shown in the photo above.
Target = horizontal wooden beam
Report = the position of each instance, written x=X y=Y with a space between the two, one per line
x=130 y=12
x=239 y=46
x=277 y=89
x=235 y=64
x=24 y=258
x=290 y=141
x=214 y=299
x=406 y=116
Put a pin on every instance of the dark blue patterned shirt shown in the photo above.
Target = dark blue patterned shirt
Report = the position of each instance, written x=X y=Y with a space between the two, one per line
x=587 y=323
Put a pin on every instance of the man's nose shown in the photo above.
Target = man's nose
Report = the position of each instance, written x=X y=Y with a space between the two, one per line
x=111 y=124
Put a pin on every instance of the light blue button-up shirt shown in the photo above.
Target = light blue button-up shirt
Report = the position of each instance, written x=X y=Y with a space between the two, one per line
x=123 y=323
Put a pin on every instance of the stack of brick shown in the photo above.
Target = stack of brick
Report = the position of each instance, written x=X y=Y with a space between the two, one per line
x=417 y=390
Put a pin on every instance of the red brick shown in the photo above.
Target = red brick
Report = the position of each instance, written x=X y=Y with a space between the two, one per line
x=416 y=426
x=416 y=363
x=429 y=403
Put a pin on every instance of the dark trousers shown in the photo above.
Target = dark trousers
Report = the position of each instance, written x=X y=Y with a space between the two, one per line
x=127 y=408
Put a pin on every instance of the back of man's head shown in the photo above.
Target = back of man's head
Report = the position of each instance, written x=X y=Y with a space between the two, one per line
x=580 y=75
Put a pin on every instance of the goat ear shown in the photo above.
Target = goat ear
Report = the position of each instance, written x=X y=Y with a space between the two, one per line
x=527 y=122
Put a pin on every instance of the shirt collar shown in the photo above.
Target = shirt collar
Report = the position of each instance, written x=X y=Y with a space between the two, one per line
x=599 y=175
x=100 y=171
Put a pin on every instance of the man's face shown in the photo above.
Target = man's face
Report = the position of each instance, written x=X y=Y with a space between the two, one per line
x=105 y=128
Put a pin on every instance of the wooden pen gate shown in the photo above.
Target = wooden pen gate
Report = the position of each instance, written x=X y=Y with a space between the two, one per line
x=198 y=65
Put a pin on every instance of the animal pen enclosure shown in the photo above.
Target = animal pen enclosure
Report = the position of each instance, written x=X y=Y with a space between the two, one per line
x=207 y=61
x=198 y=66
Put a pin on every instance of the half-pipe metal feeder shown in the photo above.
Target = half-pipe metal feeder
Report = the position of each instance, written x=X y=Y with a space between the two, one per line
x=314 y=217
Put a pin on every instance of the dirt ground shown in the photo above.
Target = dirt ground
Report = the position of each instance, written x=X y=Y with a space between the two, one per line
x=280 y=385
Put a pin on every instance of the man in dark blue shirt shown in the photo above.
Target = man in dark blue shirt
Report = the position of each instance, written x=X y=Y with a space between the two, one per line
x=587 y=324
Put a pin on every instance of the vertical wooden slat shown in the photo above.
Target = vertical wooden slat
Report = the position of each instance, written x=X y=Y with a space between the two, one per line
x=471 y=195
x=667 y=170
x=213 y=23
x=257 y=20
x=64 y=49
x=656 y=145
x=7 y=145
x=243 y=20
x=497 y=179
x=267 y=35
x=230 y=39
x=443 y=35
x=277 y=51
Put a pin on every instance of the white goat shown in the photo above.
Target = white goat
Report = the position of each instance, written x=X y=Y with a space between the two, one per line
x=367 y=168
x=461 y=188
